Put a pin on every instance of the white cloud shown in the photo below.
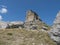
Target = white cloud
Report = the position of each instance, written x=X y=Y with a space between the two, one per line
x=3 y=10
x=0 y=17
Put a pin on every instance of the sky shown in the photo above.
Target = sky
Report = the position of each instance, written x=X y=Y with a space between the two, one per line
x=15 y=10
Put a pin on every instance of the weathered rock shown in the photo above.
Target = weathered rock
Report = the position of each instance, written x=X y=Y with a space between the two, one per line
x=31 y=16
x=55 y=31
x=33 y=21
x=15 y=24
x=57 y=20
x=3 y=25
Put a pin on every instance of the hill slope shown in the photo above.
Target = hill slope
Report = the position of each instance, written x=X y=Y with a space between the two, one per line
x=24 y=37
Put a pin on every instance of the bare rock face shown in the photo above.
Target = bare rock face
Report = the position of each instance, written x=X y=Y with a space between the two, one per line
x=31 y=16
x=57 y=20
x=33 y=21
x=3 y=25
x=15 y=24
x=55 y=31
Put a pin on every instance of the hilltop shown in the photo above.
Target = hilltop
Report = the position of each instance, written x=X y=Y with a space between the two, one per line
x=32 y=21
x=31 y=32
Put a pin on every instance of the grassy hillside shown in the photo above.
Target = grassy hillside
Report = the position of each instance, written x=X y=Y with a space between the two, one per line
x=24 y=37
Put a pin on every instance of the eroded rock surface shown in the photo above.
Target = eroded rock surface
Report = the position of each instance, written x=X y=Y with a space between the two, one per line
x=55 y=31
x=34 y=22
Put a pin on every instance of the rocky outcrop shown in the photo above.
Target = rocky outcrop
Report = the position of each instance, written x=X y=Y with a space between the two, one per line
x=33 y=21
x=55 y=31
x=15 y=24
x=31 y=32
x=32 y=16
x=3 y=25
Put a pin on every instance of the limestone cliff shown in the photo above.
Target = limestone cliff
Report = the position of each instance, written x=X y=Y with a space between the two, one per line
x=32 y=16
x=55 y=31
x=34 y=22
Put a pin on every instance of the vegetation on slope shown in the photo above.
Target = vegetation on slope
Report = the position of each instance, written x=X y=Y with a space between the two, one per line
x=24 y=37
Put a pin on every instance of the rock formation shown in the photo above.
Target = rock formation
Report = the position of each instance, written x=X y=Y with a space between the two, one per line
x=15 y=24
x=33 y=21
x=32 y=16
x=3 y=24
x=31 y=32
x=55 y=31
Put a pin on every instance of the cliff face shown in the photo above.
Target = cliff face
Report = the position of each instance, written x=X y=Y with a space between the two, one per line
x=55 y=31
x=34 y=22
x=57 y=19
x=31 y=16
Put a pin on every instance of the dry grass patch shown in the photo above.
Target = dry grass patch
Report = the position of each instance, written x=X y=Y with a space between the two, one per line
x=24 y=37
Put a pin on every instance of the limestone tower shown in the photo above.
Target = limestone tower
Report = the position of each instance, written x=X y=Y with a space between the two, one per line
x=33 y=21
x=31 y=16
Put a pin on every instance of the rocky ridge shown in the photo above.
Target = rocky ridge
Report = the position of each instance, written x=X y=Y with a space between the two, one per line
x=31 y=32
x=32 y=22
x=55 y=30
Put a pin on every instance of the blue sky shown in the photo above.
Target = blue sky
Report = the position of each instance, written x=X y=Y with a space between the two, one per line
x=15 y=10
